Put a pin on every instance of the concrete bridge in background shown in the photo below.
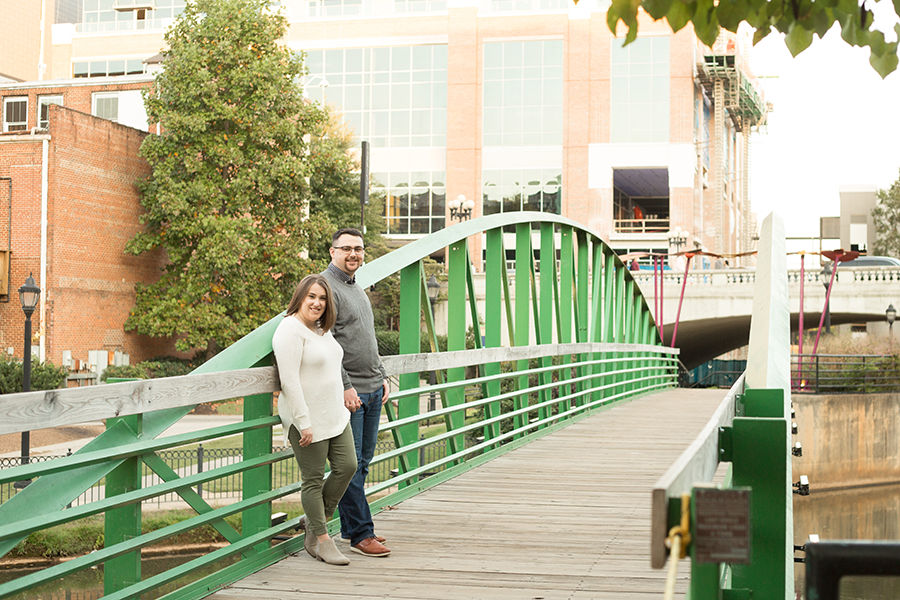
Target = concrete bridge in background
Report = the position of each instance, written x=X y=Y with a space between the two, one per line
x=715 y=315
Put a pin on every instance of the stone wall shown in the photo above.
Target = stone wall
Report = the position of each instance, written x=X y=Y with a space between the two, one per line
x=848 y=440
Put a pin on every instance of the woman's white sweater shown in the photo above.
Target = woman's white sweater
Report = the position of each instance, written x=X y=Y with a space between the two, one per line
x=312 y=391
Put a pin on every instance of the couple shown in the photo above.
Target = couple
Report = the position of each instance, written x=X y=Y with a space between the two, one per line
x=333 y=386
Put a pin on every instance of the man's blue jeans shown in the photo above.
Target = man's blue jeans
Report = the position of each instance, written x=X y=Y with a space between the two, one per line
x=356 y=519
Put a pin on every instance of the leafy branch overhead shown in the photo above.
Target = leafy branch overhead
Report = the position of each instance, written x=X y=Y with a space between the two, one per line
x=799 y=20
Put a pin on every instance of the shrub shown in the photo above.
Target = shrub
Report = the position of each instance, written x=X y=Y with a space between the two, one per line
x=150 y=369
x=44 y=375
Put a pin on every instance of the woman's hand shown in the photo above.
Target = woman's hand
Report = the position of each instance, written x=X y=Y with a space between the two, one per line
x=306 y=437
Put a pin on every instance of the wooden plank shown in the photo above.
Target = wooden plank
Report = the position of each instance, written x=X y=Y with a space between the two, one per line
x=54 y=408
x=567 y=516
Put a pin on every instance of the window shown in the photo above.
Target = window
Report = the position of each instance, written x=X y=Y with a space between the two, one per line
x=108 y=68
x=510 y=190
x=414 y=202
x=15 y=114
x=106 y=105
x=44 y=102
x=101 y=15
x=639 y=86
x=394 y=97
x=410 y=6
x=527 y=5
x=523 y=93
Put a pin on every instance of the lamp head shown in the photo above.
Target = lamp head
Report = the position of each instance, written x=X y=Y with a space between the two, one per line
x=891 y=314
x=29 y=294
x=434 y=288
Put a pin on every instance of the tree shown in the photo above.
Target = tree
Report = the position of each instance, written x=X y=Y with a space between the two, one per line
x=227 y=194
x=887 y=221
x=799 y=20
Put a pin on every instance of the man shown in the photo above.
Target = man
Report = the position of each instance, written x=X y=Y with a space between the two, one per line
x=365 y=384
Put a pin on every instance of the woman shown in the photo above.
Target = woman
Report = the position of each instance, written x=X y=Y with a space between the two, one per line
x=311 y=406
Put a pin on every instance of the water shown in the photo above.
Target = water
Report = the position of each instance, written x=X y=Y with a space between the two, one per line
x=88 y=585
x=871 y=513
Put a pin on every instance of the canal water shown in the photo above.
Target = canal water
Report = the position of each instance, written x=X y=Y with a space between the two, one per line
x=88 y=585
x=871 y=513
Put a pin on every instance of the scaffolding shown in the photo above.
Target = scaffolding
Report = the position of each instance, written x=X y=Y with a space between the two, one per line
x=745 y=104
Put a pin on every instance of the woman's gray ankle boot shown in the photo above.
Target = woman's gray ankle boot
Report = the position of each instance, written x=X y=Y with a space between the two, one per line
x=327 y=552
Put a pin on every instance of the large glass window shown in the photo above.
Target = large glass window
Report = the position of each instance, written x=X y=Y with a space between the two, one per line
x=414 y=202
x=15 y=114
x=523 y=93
x=393 y=97
x=639 y=90
x=510 y=190
x=101 y=15
x=108 y=68
x=411 y=6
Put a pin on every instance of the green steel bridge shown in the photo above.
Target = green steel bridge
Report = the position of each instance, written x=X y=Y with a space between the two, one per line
x=564 y=340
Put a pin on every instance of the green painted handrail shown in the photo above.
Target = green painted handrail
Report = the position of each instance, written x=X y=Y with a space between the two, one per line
x=582 y=295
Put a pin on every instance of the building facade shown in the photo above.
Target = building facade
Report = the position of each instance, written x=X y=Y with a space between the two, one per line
x=514 y=104
x=68 y=205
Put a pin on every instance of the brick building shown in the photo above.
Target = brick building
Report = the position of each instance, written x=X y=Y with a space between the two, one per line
x=74 y=205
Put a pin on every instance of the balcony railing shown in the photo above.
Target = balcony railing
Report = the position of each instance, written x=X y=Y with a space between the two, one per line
x=641 y=225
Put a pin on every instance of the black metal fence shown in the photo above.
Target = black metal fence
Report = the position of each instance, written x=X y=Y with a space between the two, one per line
x=845 y=373
x=193 y=460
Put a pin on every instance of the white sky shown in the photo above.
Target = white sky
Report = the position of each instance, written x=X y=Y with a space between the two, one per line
x=835 y=122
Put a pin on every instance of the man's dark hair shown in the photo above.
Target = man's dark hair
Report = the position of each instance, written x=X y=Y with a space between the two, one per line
x=345 y=231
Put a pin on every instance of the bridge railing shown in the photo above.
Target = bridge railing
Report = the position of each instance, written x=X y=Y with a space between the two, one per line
x=738 y=532
x=557 y=346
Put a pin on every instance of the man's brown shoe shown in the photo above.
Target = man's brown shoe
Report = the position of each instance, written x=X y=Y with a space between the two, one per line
x=380 y=539
x=371 y=547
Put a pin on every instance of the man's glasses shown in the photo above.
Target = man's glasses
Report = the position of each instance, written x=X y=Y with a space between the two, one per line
x=349 y=249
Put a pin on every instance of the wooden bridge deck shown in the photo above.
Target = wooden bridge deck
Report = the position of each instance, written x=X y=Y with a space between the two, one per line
x=567 y=516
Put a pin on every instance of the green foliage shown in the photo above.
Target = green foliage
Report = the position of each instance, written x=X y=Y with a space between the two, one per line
x=150 y=369
x=887 y=221
x=799 y=20
x=44 y=375
x=227 y=195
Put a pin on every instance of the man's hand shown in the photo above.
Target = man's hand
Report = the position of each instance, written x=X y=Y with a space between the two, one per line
x=387 y=391
x=351 y=400
x=305 y=437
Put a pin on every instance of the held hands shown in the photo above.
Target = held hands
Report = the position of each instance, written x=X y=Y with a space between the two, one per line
x=387 y=391
x=306 y=436
x=351 y=400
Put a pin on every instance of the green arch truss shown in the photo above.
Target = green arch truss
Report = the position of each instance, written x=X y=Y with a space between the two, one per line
x=562 y=339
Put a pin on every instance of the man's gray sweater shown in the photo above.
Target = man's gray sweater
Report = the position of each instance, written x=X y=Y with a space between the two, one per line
x=355 y=332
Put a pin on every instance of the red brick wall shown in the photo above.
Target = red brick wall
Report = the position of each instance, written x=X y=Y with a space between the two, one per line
x=93 y=210
x=75 y=96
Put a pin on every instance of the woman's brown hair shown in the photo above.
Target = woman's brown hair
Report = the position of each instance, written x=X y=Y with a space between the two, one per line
x=329 y=315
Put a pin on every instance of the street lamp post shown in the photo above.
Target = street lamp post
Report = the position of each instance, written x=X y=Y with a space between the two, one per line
x=677 y=238
x=29 y=294
x=826 y=281
x=460 y=208
x=434 y=288
x=891 y=315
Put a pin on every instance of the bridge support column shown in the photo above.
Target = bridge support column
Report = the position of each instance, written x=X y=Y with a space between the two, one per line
x=124 y=523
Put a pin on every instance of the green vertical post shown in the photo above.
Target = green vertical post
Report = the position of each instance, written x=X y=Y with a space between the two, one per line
x=609 y=305
x=760 y=460
x=548 y=278
x=456 y=335
x=524 y=264
x=123 y=523
x=257 y=442
x=629 y=334
x=581 y=302
x=411 y=278
x=597 y=317
x=565 y=298
x=619 y=323
x=493 y=310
